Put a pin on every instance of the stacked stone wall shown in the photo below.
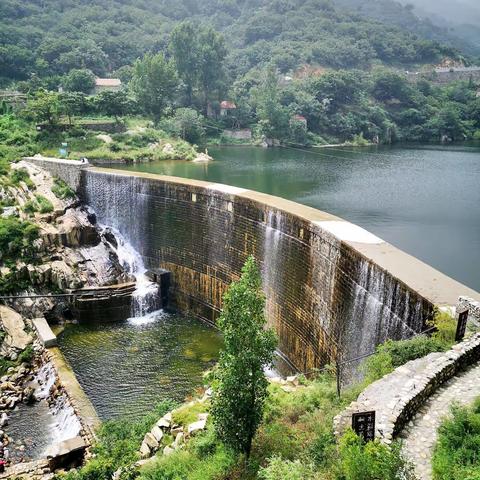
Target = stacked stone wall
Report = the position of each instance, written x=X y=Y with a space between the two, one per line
x=397 y=397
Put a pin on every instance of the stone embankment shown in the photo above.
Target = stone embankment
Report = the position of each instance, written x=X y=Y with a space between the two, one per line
x=398 y=396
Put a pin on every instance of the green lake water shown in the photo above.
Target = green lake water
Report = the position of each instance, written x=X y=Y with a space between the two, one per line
x=126 y=368
x=424 y=199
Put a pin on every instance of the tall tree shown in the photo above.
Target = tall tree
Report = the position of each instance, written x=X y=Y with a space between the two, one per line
x=183 y=46
x=212 y=52
x=113 y=104
x=273 y=116
x=240 y=389
x=79 y=80
x=43 y=107
x=154 y=84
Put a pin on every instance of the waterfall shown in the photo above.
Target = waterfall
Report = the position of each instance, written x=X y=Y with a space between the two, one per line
x=64 y=422
x=271 y=260
x=145 y=299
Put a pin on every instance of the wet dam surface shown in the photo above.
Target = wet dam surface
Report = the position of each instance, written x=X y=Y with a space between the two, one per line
x=423 y=199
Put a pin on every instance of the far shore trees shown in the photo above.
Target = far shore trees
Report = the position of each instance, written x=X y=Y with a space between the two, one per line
x=240 y=388
x=154 y=84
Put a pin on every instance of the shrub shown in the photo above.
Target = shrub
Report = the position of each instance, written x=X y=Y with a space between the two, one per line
x=16 y=237
x=44 y=204
x=372 y=460
x=30 y=207
x=456 y=455
x=279 y=469
x=61 y=190
x=21 y=175
x=118 y=445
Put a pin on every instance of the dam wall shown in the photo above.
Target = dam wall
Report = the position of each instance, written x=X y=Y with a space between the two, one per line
x=334 y=291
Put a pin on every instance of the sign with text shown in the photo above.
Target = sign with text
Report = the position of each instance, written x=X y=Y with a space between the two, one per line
x=461 y=325
x=363 y=424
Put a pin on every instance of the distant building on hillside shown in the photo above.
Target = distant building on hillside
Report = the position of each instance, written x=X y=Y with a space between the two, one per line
x=227 y=108
x=445 y=75
x=111 y=84
x=300 y=119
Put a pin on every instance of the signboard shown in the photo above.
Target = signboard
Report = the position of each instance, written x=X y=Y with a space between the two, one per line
x=461 y=325
x=363 y=424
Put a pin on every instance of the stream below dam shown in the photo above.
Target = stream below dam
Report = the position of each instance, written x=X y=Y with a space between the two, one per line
x=423 y=199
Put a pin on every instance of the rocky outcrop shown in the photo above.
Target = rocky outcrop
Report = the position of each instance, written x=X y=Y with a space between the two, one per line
x=16 y=337
x=72 y=251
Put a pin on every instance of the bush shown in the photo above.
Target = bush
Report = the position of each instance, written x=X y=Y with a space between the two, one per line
x=44 y=204
x=456 y=455
x=30 y=207
x=372 y=460
x=118 y=445
x=21 y=175
x=61 y=190
x=16 y=237
x=279 y=469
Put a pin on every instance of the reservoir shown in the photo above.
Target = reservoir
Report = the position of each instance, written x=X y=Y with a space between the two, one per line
x=423 y=199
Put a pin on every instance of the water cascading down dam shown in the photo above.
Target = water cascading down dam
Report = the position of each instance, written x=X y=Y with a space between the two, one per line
x=333 y=289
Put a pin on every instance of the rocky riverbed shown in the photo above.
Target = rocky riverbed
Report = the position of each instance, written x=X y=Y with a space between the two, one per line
x=70 y=252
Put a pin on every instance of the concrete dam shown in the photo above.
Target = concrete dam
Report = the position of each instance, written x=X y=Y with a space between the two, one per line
x=333 y=289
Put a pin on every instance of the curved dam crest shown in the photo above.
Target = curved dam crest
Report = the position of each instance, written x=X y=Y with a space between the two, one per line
x=331 y=286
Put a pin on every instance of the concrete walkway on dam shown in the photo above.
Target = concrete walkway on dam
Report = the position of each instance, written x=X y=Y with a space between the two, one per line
x=420 y=435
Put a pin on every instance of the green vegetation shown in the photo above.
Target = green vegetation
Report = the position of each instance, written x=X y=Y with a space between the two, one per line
x=24 y=356
x=240 y=386
x=118 y=445
x=456 y=455
x=61 y=190
x=303 y=72
x=16 y=239
x=393 y=354
x=44 y=204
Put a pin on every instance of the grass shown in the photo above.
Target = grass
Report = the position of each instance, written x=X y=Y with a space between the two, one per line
x=189 y=413
x=457 y=453
x=118 y=445
x=61 y=190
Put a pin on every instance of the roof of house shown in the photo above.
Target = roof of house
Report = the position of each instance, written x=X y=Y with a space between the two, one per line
x=300 y=118
x=226 y=105
x=108 y=82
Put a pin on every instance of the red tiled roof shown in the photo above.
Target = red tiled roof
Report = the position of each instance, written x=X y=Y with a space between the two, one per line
x=226 y=105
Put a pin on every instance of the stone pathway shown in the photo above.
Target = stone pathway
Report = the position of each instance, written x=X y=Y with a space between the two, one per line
x=420 y=435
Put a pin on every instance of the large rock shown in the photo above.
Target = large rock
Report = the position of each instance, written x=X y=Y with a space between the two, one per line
x=16 y=337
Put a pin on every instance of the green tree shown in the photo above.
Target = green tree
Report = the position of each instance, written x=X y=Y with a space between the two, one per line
x=212 y=52
x=79 y=80
x=72 y=103
x=183 y=46
x=154 y=84
x=186 y=123
x=113 y=104
x=44 y=106
x=240 y=388
x=273 y=116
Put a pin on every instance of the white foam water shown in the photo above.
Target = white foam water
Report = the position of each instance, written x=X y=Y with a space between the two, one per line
x=145 y=304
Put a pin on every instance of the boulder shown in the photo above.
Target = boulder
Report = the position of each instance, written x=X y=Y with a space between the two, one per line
x=168 y=450
x=195 y=427
x=151 y=441
x=157 y=433
x=16 y=337
x=145 y=450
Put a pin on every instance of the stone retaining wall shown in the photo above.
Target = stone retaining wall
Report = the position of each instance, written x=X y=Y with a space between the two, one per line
x=397 y=397
x=473 y=307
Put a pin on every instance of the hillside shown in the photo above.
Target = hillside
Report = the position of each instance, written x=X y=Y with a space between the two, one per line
x=53 y=36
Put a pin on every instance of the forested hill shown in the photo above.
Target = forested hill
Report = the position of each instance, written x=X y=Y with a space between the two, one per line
x=51 y=37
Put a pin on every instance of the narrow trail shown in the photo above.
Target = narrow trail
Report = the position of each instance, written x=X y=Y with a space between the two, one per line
x=420 y=435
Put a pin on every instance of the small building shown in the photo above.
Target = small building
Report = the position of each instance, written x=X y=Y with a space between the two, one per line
x=227 y=108
x=300 y=119
x=111 y=84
